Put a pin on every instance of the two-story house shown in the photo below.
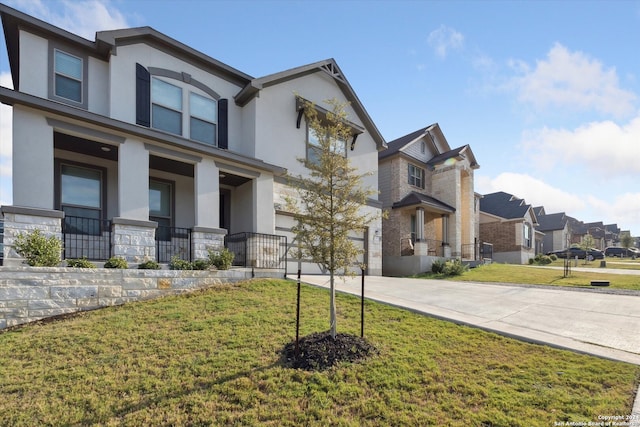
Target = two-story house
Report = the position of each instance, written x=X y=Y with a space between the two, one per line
x=508 y=222
x=556 y=229
x=427 y=189
x=136 y=145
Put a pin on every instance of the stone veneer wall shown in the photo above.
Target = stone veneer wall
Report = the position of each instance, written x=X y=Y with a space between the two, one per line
x=28 y=294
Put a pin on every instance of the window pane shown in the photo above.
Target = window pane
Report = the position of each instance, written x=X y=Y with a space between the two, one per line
x=68 y=88
x=203 y=108
x=81 y=221
x=313 y=156
x=167 y=120
x=313 y=138
x=166 y=94
x=81 y=186
x=68 y=65
x=203 y=131
x=160 y=198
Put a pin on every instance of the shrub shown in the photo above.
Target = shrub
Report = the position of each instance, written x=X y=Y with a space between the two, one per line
x=438 y=266
x=221 y=259
x=180 y=264
x=455 y=268
x=80 y=263
x=541 y=259
x=116 y=262
x=39 y=250
x=553 y=257
x=149 y=265
x=201 y=264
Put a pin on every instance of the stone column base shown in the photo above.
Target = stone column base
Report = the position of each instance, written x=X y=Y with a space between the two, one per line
x=203 y=239
x=25 y=220
x=134 y=240
x=421 y=248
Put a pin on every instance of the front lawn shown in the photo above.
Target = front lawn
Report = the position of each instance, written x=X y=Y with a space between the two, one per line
x=538 y=275
x=212 y=358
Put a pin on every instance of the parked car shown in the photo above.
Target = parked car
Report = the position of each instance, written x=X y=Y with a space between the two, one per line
x=615 y=251
x=577 y=252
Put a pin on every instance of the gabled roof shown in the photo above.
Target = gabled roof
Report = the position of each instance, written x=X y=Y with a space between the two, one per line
x=505 y=205
x=459 y=153
x=106 y=44
x=398 y=144
x=416 y=199
x=550 y=222
x=328 y=66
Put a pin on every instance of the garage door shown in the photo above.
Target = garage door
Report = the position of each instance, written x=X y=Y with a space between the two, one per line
x=284 y=223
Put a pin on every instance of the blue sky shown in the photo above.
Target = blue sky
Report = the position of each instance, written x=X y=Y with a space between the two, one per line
x=546 y=93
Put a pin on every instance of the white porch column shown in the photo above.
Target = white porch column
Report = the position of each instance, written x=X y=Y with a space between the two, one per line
x=264 y=218
x=206 y=233
x=207 y=191
x=419 y=224
x=133 y=181
x=33 y=183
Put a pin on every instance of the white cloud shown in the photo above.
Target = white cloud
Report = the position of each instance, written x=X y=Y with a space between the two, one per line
x=443 y=39
x=605 y=148
x=534 y=191
x=572 y=80
x=79 y=17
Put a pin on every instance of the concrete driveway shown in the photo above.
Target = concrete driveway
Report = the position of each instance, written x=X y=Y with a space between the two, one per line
x=601 y=324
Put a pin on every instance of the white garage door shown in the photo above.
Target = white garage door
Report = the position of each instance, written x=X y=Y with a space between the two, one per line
x=284 y=223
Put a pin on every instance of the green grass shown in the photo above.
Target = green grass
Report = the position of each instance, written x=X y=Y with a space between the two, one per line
x=212 y=358
x=537 y=275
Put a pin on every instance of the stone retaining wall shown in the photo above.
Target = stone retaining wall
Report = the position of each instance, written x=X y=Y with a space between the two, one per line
x=28 y=294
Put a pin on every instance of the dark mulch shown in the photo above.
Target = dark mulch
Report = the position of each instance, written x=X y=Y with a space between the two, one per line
x=318 y=351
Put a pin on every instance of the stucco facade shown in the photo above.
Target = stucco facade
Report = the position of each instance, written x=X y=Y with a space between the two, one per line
x=159 y=135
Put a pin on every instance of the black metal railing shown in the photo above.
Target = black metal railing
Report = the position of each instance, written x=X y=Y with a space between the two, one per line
x=173 y=242
x=434 y=247
x=86 y=238
x=486 y=251
x=258 y=250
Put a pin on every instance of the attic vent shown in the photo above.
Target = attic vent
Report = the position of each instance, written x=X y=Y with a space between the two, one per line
x=333 y=71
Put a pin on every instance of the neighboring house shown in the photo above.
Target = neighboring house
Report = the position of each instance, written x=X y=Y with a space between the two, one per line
x=612 y=233
x=427 y=190
x=139 y=146
x=556 y=230
x=508 y=223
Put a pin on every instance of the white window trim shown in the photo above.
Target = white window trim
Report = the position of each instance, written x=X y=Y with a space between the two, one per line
x=84 y=86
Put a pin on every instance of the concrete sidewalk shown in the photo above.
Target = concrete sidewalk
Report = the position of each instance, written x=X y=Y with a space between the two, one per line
x=600 y=324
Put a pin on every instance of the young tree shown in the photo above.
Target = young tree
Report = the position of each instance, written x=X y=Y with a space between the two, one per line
x=329 y=198
x=587 y=243
x=626 y=241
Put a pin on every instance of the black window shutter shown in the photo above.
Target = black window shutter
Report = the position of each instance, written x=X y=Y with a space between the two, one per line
x=143 y=96
x=223 y=123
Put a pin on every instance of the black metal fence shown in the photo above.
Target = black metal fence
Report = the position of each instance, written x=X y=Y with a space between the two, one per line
x=258 y=250
x=477 y=251
x=173 y=241
x=486 y=251
x=86 y=238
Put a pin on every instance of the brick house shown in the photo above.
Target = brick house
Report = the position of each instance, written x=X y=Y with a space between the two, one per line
x=136 y=145
x=427 y=189
x=508 y=223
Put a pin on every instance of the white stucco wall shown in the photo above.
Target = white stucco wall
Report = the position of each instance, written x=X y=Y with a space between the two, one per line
x=32 y=159
x=278 y=141
x=33 y=64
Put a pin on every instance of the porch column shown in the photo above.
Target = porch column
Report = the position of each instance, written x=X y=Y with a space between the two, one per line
x=206 y=233
x=133 y=234
x=133 y=181
x=264 y=216
x=421 y=246
x=33 y=183
x=419 y=224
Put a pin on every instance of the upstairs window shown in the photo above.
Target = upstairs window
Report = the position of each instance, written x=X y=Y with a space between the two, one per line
x=415 y=176
x=68 y=76
x=314 y=147
x=166 y=106
x=202 y=124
